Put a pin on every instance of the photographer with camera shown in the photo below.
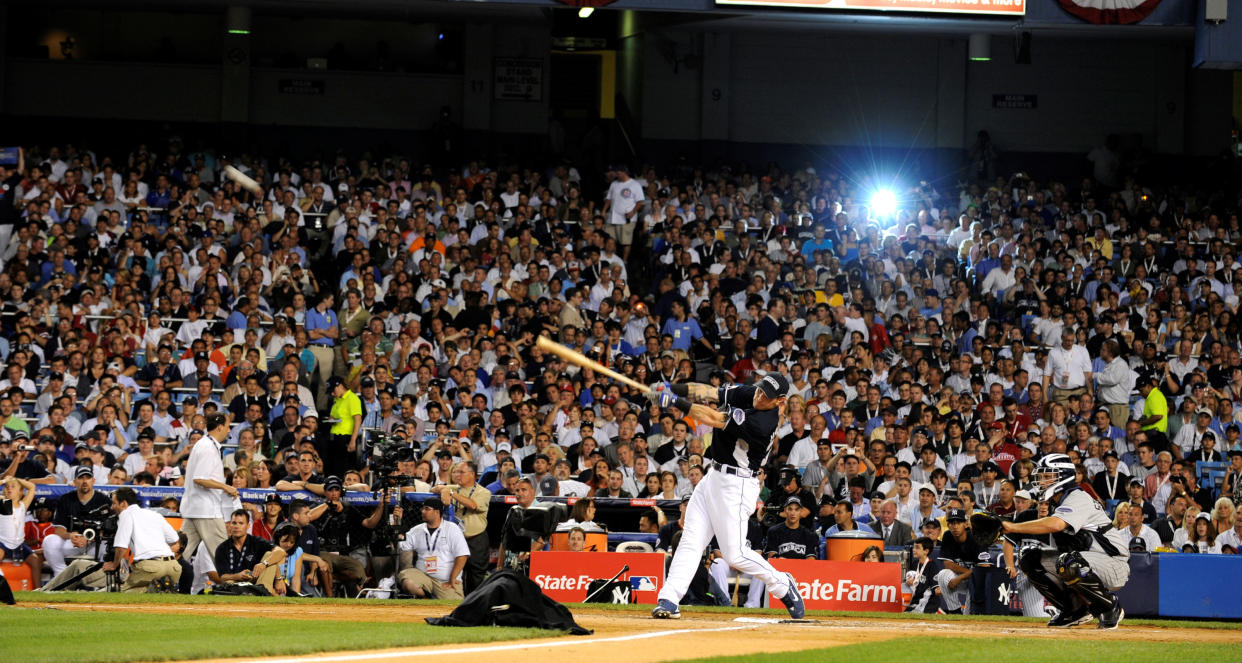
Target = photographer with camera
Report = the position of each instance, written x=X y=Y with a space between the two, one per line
x=16 y=461
x=433 y=556
x=344 y=535
x=470 y=502
x=78 y=514
x=148 y=537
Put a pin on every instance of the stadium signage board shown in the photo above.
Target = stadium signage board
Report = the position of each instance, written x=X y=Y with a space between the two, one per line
x=997 y=7
x=565 y=576
x=831 y=585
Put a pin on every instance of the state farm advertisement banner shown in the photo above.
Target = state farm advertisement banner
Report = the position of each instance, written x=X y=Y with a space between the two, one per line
x=565 y=576
x=861 y=586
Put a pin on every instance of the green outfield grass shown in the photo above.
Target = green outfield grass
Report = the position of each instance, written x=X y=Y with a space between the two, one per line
x=926 y=650
x=108 y=598
x=79 y=636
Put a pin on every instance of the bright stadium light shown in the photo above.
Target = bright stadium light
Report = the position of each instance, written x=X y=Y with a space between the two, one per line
x=883 y=202
x=586 y=12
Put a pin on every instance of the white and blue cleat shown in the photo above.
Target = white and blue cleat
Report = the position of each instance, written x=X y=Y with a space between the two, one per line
x=793 y=599
x=666 y=609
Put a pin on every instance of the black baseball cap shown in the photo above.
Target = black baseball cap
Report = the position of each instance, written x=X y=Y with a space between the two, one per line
x=272 y=498
x=332 y=483
x=774 y=385
x=931 y=522
x=792 y=500
x=83 y=471
x=955 y=514
x=433 y=503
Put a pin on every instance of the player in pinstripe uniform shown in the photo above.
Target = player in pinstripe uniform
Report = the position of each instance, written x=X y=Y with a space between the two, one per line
x=1032 y=600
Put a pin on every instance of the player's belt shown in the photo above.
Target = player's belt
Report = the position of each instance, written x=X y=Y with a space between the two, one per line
x=734 y=470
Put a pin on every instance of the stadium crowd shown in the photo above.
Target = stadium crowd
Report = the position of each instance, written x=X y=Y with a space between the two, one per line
x=164 y=326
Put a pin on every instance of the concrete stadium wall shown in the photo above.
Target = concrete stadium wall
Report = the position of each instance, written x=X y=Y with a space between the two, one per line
x=918 y=92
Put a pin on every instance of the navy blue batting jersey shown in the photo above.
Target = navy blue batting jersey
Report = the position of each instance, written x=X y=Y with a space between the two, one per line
x=747 y=436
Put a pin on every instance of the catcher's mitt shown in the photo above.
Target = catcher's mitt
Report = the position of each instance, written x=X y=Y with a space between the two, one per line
x=985 y=529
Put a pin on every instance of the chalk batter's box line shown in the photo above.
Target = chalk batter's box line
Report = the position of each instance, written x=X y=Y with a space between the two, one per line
x=514 y=646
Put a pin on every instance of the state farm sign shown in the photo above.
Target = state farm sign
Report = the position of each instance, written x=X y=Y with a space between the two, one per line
x=861 y=586
x=565 y=576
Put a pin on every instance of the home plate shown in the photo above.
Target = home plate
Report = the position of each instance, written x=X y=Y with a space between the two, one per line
x=773 y=620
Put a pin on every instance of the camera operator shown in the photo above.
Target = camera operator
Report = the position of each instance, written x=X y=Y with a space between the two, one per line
x=80 y=510
x=148 y=536
x=441 y=552
x=344 y=535
x=471 y=502
x=516 y=543
x=207 y=497
x=407 y=462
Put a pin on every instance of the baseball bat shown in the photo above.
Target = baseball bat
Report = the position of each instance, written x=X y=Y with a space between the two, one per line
x=244 y=180
x=577 y=358
x=610 y=581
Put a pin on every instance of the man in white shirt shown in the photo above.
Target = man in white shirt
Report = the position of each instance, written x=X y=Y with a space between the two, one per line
x=621 y=208
x=1137 y=530
x=433 y=556
x=148 y=536
x=568 y=486
x=1116 y=382
x=1000 y=279
x=206 y=493
x=1068 y=371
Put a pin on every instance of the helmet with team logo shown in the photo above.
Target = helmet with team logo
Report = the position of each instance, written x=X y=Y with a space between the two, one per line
x=1052 y=473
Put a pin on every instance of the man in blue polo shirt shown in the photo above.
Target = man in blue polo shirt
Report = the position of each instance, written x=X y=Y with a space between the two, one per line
x=684 y=329
x=322 y=330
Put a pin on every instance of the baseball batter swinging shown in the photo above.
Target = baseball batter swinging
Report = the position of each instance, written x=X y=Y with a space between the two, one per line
x=1090 y=560
x=724 y=499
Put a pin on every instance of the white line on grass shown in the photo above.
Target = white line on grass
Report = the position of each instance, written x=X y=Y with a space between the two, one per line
x=569 y=642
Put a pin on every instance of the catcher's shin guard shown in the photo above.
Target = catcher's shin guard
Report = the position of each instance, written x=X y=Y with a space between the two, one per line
x=1082 y=581
x=1030 y=562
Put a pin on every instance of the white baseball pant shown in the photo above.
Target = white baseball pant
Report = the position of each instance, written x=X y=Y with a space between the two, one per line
x=720 y=506
x=56 y=549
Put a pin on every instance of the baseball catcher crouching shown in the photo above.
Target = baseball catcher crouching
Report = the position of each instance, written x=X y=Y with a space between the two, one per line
x=1091 y=559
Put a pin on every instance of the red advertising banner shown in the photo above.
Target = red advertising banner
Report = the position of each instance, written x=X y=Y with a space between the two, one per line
x=861 y=586
x=1002 y=7
x=565 y=576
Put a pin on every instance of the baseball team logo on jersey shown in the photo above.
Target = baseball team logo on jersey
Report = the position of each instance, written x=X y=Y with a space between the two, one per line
x=739 y=415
